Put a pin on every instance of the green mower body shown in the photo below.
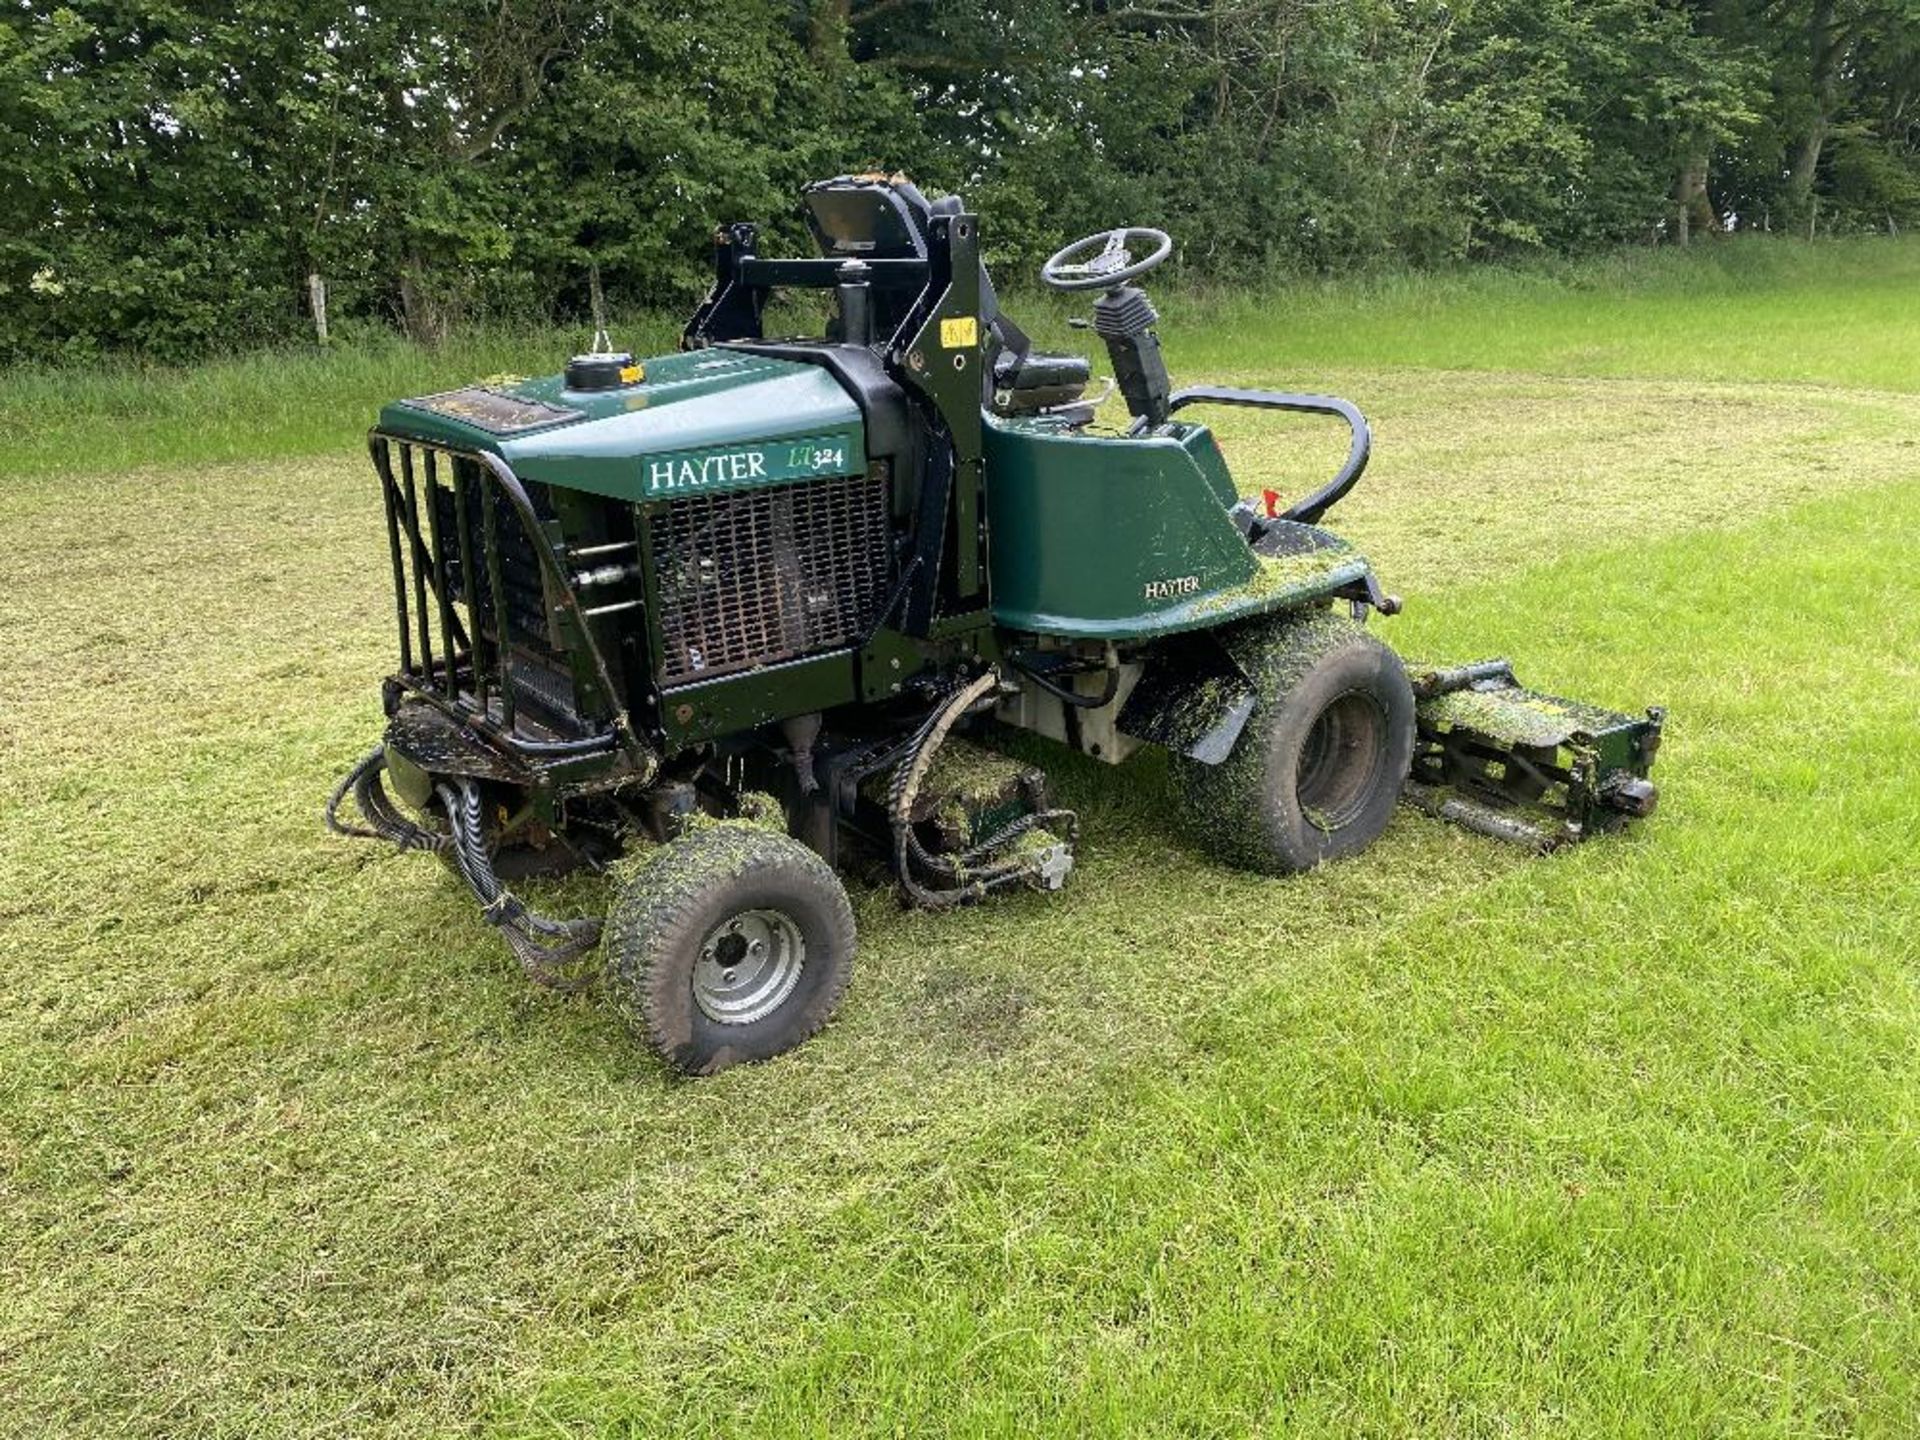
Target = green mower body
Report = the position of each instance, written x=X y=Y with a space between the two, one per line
x=773 y=581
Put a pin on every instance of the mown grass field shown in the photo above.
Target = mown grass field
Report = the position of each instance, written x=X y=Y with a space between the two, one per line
x=1444 y=1141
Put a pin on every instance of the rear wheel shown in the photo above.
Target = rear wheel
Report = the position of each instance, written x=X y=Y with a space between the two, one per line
x=1324 y=756
x=734 y=943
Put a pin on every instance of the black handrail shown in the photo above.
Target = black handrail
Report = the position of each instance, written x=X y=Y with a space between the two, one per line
x=428 y=571
x=1311 y=508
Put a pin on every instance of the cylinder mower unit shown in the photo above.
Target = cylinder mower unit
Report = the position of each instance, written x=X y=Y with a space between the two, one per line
x=717 y=621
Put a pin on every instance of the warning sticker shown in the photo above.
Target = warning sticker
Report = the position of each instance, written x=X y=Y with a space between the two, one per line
x=962 y=333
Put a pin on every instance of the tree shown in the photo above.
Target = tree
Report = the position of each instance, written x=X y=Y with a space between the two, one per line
x=170 y=172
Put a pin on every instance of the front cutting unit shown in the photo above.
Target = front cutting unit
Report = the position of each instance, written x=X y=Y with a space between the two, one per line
x=720 y=621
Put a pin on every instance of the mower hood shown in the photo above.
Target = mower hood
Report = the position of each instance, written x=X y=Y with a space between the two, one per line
x=694 y=423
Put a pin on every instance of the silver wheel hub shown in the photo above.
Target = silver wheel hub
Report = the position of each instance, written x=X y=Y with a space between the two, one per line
x=747 y=966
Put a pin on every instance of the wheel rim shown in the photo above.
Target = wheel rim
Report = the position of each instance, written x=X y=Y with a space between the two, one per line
x=1340 y=761
x=747 y=966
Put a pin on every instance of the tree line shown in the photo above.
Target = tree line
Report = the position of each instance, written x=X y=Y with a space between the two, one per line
x=174 y=174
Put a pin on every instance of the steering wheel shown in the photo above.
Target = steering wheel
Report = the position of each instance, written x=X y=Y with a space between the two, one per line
x=1113 y=267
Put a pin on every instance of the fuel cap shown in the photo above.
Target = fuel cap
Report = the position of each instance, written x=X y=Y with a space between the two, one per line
x=603 y=371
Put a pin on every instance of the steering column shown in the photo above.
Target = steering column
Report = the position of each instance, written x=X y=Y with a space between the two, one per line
x=1123 y=317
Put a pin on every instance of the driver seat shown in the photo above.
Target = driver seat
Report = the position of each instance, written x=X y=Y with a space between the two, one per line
x=1023 y=380
x=888 y=216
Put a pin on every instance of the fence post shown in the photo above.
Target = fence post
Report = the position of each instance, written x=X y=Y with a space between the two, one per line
x=317 y=300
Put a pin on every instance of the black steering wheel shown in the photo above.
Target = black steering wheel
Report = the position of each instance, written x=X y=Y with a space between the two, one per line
x=1113 y=267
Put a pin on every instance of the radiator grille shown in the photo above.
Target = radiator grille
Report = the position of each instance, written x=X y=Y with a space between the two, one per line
x=764 y=575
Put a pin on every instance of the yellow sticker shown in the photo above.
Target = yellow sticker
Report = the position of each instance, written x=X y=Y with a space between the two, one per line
x=632 y=374
x=960 y=334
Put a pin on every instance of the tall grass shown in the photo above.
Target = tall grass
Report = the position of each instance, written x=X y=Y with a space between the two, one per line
x=1841 y=312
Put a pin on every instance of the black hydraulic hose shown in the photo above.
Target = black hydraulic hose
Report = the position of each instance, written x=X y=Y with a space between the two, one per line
x=908 y=852
x=961 y=868
x=605 y=741
x=372 y=760
x=543 y=946
x=906 y=786
x=892 y=603
x=1071 y=697
x=384 y=821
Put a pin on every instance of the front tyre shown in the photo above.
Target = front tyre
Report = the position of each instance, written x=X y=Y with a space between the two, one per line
x=1317 y=771
x=733 y=943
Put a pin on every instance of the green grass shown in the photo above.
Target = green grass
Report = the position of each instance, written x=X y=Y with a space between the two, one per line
x=1837 y=312
x=1759 y=309
x=1444 y=1141
x=120 y=413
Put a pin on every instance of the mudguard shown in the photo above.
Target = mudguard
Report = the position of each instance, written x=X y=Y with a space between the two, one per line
x=1194 y=700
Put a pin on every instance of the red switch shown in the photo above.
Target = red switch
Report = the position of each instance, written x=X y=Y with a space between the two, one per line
x=1272 y=497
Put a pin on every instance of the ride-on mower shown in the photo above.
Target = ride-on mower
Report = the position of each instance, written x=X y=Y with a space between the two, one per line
x=740 y=609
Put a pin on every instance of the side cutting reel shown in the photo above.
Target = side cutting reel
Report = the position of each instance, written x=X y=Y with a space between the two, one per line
x=1526 y=767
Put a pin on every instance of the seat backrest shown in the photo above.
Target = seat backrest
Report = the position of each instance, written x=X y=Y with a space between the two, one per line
x=886 y=217
x=867 y=217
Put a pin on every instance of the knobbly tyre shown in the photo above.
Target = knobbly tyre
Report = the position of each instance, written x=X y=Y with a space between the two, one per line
x=745 y=608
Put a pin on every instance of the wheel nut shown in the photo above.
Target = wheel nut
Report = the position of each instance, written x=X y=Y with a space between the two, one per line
x=727 y=975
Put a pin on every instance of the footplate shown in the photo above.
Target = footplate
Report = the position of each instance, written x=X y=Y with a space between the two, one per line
x=1526 y=767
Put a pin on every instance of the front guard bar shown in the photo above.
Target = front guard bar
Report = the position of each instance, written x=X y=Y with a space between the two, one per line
x=1309 y=509
x=438 y=681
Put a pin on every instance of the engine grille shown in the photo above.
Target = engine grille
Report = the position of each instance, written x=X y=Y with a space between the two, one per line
x=764 y=575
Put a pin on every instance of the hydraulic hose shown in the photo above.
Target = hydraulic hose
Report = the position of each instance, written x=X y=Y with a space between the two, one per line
x=1072 y=697
x=544 y=947
x=966 y=884
x=384 y=819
